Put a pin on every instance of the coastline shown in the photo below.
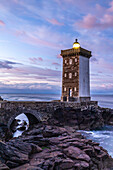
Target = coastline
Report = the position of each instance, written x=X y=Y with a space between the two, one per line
x=58 y=138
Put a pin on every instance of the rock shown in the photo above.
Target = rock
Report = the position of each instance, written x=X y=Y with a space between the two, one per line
x=33 y=132
x=82 y=165
x=50 y=132
x=5 y=134
x=3 y=166
x=55 y=144
x=76 y=153
x=89 y=151
x=22 y=128
x=12 y=164
x=24 y=122
x=65 y=164
x=78 y=144
x=85 y=120
x=17 y=152
x=14 y=125
x=35 y=149
x=97 y=148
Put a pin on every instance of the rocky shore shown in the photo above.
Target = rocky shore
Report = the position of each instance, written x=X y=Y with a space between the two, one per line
x=56 y=144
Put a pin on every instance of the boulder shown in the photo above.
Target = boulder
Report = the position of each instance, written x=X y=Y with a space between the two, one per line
x=76 y=153
x=82 y=165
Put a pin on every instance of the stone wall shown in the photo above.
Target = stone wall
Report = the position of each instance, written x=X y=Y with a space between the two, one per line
x=41 y=110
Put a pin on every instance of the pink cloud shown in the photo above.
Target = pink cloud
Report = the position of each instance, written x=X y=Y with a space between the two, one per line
x=55 y=22
x=59 y=56
x=40 y=59
x=103 y=18
x=107 y=20
x=105 y=86
x=30 y=38
x=111 y=7
x=2 y=23
x=89 y=21
x=57 y=64
x=34 y=60
x=30 y=74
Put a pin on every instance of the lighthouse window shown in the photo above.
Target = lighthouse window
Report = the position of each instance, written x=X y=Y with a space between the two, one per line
x=70 y=61
x=70 y=75
x=75 y=89
x=65 y=61
x=75 y=73
x=65 y=75
x=75 y=60
x=64 y=88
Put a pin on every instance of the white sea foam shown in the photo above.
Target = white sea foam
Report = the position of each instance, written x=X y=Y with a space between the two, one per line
x=104 y=137
x=22 y=117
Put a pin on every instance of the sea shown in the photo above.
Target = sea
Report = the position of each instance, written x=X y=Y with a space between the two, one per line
x=103 y=100
x=104 y=136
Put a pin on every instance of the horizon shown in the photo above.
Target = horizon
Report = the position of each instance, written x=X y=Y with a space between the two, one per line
x=32 y=35
x=104 y=94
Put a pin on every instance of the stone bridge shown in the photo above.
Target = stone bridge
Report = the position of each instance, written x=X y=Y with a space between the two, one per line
x=36 y=111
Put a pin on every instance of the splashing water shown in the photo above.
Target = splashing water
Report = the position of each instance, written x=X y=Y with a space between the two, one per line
x=104 y=137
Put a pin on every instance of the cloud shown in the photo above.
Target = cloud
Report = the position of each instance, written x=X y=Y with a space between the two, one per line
x=31 y=27
x=42 y=37
x=2 y=23
x=7 y=64
x=55 y=22
x=103 y=20
x=107 y=21
x=103 y=87
x=26 y=77
x=56 y=64
x=40 y=59
x=59 y=56
x=94 y=60
x=111 y=7
x=29 y=88
x=23 y=70
x=35 y=60
x=89 y=21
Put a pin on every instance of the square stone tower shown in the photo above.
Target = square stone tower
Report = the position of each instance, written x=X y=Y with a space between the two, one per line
x=75 y=77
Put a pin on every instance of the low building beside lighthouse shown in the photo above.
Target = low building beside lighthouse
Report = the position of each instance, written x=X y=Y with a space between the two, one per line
x=75 y=76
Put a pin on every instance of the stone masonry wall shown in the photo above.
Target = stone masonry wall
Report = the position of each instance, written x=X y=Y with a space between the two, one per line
x=10 y=109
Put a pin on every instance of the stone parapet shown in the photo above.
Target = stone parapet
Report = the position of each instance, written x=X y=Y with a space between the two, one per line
x=9 y=105
x=79 y=51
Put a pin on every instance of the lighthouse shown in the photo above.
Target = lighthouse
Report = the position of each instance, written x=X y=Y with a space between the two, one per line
x=75 y=74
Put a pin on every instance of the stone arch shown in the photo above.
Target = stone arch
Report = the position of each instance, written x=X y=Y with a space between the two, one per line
x=32 y=115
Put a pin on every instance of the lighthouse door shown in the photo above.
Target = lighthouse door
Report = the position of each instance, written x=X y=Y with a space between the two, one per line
x=70 y=92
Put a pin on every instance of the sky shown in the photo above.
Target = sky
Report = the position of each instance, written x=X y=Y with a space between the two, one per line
x=33 y=33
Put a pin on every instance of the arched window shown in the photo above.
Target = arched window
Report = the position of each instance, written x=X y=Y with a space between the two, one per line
x=75 y=60
x=70 y=75
x=64 y=88
x=70 y=61
x=75 y=89
x=65 y=75
x=75 y=74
